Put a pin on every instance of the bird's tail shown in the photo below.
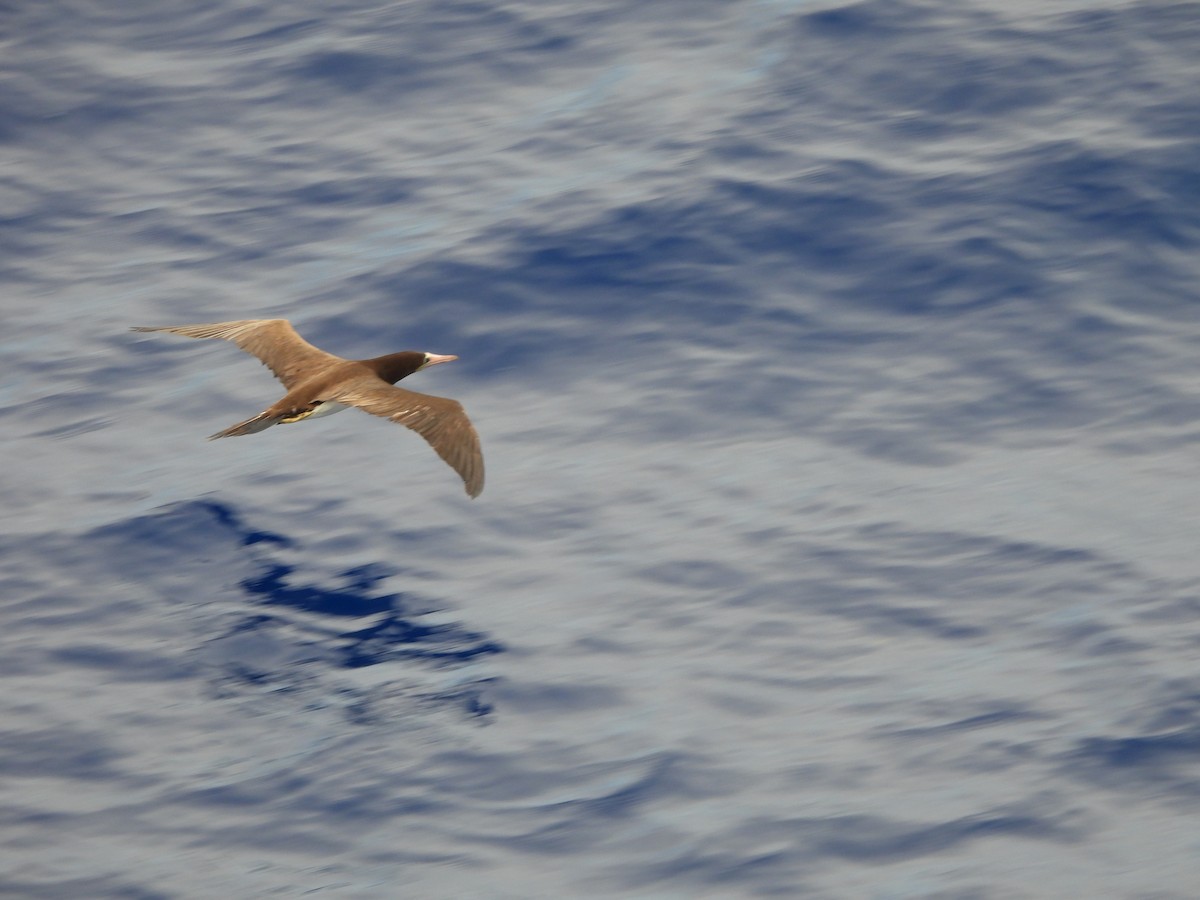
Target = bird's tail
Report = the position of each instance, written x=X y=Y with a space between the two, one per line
x=261 y=422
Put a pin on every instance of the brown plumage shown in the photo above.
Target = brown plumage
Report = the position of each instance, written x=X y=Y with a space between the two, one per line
x=319 y=383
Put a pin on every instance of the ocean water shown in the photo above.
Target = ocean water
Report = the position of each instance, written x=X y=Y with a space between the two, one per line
x=836 y=369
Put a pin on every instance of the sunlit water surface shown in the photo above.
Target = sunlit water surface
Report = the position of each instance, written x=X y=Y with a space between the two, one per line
x=835 y=366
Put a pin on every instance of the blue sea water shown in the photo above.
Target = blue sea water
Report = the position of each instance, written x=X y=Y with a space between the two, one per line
x=836 y=368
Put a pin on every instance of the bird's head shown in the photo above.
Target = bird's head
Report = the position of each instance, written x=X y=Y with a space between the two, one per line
x=394 y=366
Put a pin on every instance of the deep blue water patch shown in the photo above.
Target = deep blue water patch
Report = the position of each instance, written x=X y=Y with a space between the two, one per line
x=290 y=631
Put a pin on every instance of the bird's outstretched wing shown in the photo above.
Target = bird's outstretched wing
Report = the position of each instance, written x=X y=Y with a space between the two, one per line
x=441 y=421
x=274 y=341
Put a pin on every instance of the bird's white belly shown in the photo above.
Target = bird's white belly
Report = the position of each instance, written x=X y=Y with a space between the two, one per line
x=328 y=408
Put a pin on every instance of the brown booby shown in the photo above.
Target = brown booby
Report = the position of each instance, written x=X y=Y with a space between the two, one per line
x=320 y=384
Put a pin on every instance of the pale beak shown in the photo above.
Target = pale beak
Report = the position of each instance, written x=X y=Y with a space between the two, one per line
x=434 y=359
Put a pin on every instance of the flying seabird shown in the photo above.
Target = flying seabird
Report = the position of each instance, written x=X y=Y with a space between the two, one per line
x=320 y=384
